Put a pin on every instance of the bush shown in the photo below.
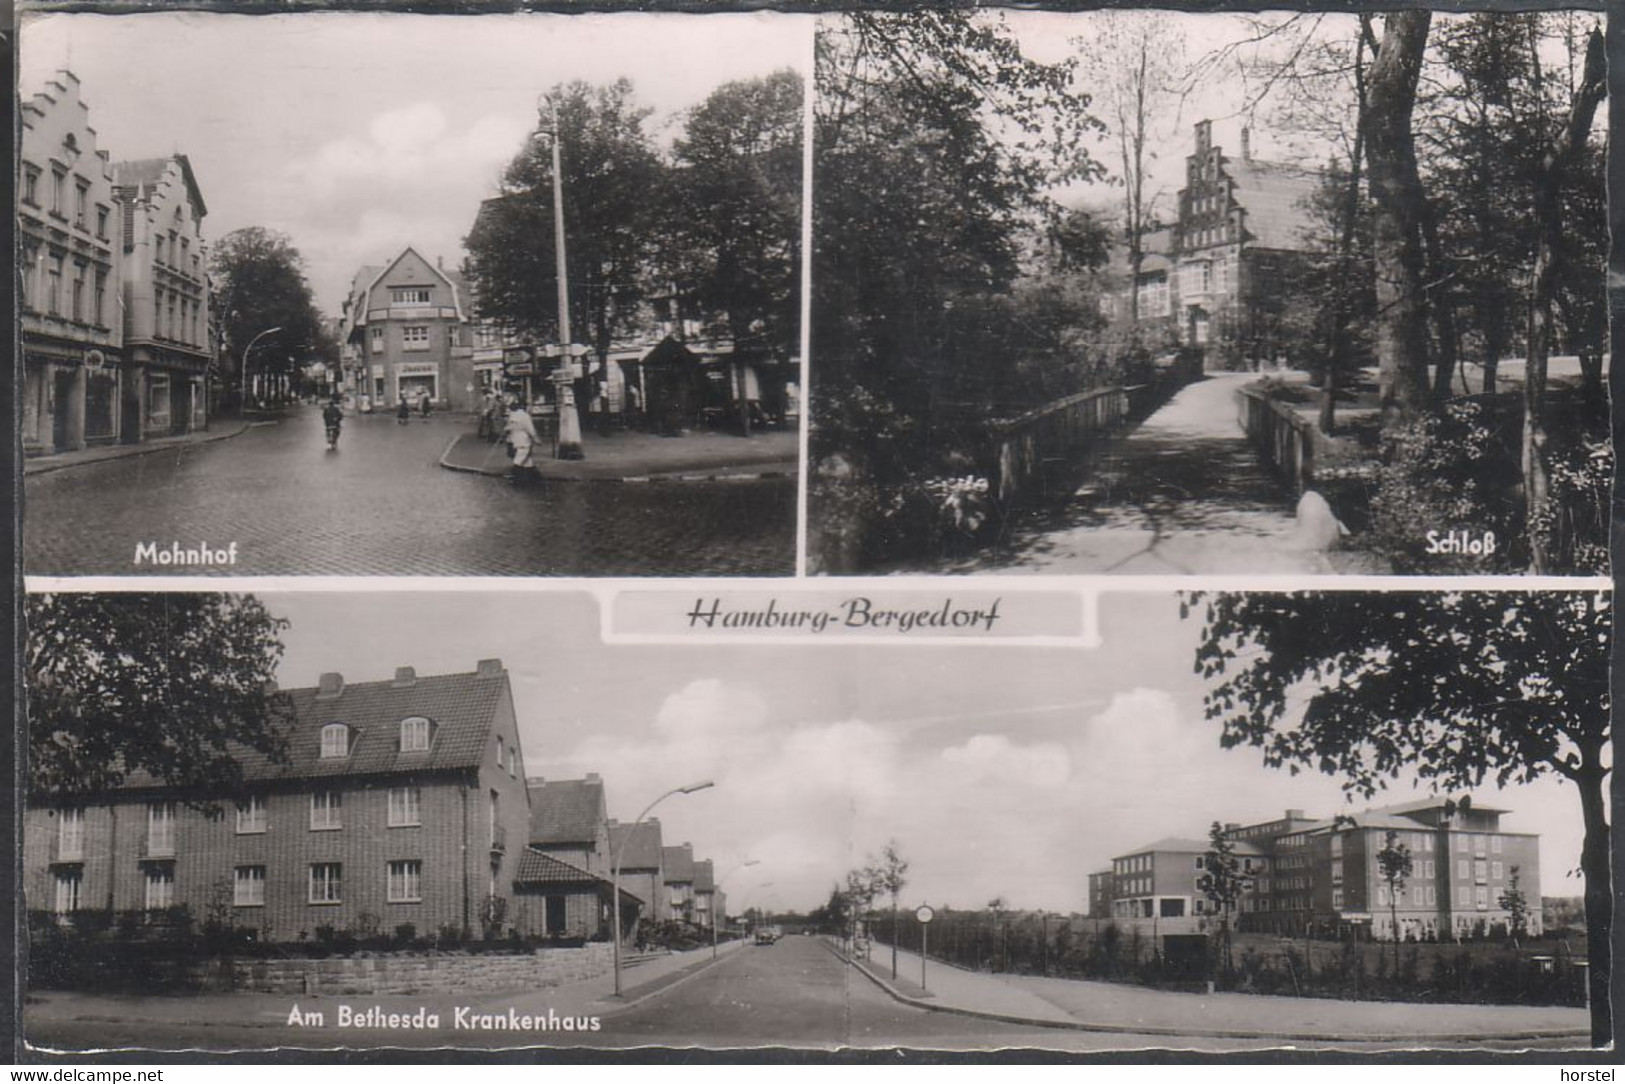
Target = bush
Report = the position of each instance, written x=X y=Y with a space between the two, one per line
x=1447 y=472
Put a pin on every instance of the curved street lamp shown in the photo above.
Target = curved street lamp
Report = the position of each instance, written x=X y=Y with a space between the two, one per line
x=716 y=893
x=615 y=870
x=247 y=350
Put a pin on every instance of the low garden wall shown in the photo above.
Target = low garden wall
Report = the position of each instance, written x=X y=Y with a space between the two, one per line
x=405 y=973
x=1027 y=443
x=1285 y=438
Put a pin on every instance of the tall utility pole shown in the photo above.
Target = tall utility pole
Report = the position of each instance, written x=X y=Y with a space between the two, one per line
x=567 y=438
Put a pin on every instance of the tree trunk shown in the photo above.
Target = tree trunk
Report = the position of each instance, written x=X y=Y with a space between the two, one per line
x=1548 y=210
x=1400 y=205
x=1599 y=901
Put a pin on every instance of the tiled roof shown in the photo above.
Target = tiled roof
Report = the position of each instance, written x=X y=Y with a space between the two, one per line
x=705 y=878
x=637 y=850
x=566 y=810
x=679 y=863
x=459 y=707
x=1276 y=198
x=1181 y=845
x=538 y=868
x=1436 y=802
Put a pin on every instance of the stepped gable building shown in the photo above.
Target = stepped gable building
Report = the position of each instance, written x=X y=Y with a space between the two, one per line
x=68 y=236
x=407 y=335
x=166 y=297
x=1321 y=876
x=642 y=861
x=1225 y=272
x=402 y=802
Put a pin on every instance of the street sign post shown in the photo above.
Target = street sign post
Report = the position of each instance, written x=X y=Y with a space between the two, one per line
x=925 y=915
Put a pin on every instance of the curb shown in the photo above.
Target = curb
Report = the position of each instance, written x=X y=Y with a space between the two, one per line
x=627 y=479
x=138 y=450
x=1207 y=1033
x=616 y=1008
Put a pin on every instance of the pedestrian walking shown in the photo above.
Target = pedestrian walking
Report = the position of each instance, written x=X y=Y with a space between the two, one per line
x=522 y=438
x=403 y=411
x=426 y=405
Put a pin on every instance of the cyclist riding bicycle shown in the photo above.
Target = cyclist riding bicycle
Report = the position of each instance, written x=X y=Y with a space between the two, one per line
x=333 y=417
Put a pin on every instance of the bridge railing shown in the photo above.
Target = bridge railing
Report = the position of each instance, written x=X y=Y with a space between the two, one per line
x=1284 y=438
x=1027 y=446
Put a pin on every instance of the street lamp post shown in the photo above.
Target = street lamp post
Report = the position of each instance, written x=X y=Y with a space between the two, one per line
x=567 y=434
x=247 y=350
x=717 y=892
x=615 y=870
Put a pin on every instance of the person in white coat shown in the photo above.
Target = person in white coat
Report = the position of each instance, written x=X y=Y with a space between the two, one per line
x=520 y=434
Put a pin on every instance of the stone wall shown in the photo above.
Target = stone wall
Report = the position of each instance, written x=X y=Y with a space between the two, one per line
x=407 y=974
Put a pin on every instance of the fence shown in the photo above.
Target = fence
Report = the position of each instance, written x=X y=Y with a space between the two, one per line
x=1031 y=447
x=1282 y=436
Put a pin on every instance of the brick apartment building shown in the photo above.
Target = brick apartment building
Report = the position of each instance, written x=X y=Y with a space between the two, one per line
x=68 y=235
x=406 y=334
x=166 y=297
x=1224 y=272
x=1321 y=876
x=403 y=801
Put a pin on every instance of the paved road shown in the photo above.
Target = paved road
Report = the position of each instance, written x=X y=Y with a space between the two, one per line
x=381 y=505
x=1182 y=493
x=792 y=994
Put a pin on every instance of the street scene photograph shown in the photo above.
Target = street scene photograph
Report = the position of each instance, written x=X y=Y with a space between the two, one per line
x=1341 y=821
x=389 y=294
x=1164 y=293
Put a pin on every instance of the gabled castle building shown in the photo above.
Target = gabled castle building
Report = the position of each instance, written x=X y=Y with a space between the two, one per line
x=1224 y=273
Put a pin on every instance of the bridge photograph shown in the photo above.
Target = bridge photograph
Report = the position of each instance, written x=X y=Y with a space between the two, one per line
x=1160 y=293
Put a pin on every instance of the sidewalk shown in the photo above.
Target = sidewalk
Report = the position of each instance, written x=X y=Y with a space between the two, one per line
x=223 y=430
x=1115 y=1007
x=642 y=457
x=642 y=978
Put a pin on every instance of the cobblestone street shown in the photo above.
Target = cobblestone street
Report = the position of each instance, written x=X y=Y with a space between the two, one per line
x=382 y=505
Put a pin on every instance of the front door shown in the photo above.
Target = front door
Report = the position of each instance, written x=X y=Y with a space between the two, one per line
x=555 y=916
x=61 y=409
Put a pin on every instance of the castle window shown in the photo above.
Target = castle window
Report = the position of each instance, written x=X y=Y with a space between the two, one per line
x=335 y=740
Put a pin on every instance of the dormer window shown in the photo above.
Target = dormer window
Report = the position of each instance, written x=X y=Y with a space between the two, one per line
x=415 y=735
x=335 y=740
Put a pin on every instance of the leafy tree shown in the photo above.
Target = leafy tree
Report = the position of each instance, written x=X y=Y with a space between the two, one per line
x=1394 y=867
x=1135 y=60
x=835 y=914
x=738 y=211
x=258 y=277
x=1455 y=687
x=610 y=169
x=1513 y=901
x=1222 y=882
x=1400 y=207
x=168 y=686
x=889 y=878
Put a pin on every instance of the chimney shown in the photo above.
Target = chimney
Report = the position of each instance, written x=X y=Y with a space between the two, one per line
x=1246 y=144
x=1294 y=815
x=592 y=777
x=405 y=677
x=534 y=780
x=1204 y=136
x=489 y=668
x=1232 y=827
x=330 y=686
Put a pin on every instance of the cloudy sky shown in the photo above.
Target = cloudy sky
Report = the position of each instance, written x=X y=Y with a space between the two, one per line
x=1006 y=772
x=358 y=134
